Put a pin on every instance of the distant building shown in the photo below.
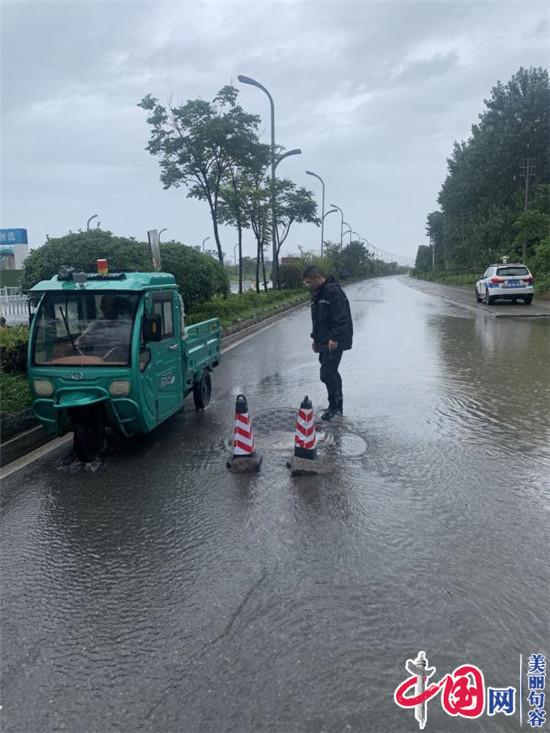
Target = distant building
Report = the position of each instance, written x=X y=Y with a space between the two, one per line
x=7 y=258
x=14 y=248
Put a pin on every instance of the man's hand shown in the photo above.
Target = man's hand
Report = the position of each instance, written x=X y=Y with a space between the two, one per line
x=314 y=347
x=332 y=345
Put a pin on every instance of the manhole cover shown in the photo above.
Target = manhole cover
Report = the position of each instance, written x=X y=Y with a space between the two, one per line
x=275 y=428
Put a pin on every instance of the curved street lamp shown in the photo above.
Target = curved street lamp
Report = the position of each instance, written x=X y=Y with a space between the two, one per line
x=162 y=230
x=204 y=241
x=341 y=222
x=89 y=220
x=315 y=175
x=275 y=265
x=294 y=151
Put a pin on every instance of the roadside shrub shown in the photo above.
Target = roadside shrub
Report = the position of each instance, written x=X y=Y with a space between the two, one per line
x=290 y=276
x=81 y=251
x=16 y=395
x=198 y=275
x=13 y=349
x=539 y=264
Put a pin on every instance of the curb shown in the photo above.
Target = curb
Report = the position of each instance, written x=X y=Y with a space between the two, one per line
x=22 y=443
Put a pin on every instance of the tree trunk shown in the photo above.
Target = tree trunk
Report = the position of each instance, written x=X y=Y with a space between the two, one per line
x=263 y=269
x=258 y=256
x=217 y=238
x=240 y=248
x=213 y=214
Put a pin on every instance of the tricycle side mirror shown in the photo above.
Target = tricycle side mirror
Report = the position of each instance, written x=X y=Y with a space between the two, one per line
x=152 y=327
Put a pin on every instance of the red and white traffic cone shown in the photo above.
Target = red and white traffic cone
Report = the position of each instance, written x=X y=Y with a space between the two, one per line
x=304 y=461
x=305 y=439
x=244 y=458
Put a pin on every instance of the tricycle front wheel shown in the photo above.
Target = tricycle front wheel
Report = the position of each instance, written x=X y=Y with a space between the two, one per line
x=88 y=440
x=202 y=391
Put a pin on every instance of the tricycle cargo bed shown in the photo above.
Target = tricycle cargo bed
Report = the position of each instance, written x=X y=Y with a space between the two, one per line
x=202 y=346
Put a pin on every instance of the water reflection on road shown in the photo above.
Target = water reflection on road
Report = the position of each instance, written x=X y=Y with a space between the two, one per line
x=159 y=592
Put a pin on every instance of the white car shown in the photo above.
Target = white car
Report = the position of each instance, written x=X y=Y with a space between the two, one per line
x=505 y=281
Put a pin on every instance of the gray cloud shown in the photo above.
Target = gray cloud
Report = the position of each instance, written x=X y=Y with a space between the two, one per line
x=373 y=93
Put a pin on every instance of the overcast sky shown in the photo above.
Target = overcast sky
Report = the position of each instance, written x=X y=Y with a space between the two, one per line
x=374 y=93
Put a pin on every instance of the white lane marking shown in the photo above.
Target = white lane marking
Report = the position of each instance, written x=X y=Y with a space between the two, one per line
x=33 y=456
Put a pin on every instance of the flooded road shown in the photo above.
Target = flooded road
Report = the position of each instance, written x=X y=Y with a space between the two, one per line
x=155 y=591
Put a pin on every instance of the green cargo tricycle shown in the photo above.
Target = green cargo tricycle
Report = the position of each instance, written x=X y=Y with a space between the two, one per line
x=111 y=350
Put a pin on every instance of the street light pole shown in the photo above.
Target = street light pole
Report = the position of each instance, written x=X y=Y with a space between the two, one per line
x=341 y=223
x=89 y=220
x=315 y=175
x=348 y=230
x=275 y=265
x=235 y=253
x=204 y=241
x=162 y=230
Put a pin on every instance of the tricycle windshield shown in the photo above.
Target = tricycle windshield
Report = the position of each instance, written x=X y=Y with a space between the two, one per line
x=85 y=328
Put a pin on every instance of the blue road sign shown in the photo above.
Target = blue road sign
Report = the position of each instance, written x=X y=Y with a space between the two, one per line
x=13 y=236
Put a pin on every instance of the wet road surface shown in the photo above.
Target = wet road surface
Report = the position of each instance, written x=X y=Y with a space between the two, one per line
x=155 y=591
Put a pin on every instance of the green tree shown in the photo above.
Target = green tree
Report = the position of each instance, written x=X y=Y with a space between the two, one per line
x=435 y=231
x=198 y=143
x=482 y=196
x=293 y=204
x=354 y=260
x=239 y=187
x=256 y=198
x=423 y=262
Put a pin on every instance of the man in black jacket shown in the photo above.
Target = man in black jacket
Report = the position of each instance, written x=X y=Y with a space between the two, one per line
x=332 y=332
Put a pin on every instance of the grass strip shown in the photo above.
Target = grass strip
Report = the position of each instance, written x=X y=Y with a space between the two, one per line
x=15 y=394
x=236 y=308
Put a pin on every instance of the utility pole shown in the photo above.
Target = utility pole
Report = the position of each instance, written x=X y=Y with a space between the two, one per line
x=527 y=170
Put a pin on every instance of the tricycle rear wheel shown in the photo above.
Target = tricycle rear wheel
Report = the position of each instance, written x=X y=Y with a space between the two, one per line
x=202 y=391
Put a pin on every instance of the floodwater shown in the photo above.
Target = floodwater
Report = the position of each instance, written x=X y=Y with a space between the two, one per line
x=155 y=591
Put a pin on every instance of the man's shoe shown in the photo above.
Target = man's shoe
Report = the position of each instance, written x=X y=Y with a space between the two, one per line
x=328 y=414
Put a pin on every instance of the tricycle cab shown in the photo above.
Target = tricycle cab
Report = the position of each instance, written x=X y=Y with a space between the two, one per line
x=112 y=350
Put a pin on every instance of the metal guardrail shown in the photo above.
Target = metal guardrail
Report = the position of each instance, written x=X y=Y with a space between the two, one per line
x=13 y=306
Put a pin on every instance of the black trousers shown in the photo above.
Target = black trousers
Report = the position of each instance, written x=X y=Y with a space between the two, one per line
x=330 y=361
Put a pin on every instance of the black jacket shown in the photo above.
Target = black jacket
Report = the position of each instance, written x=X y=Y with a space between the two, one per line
x=331 y=316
